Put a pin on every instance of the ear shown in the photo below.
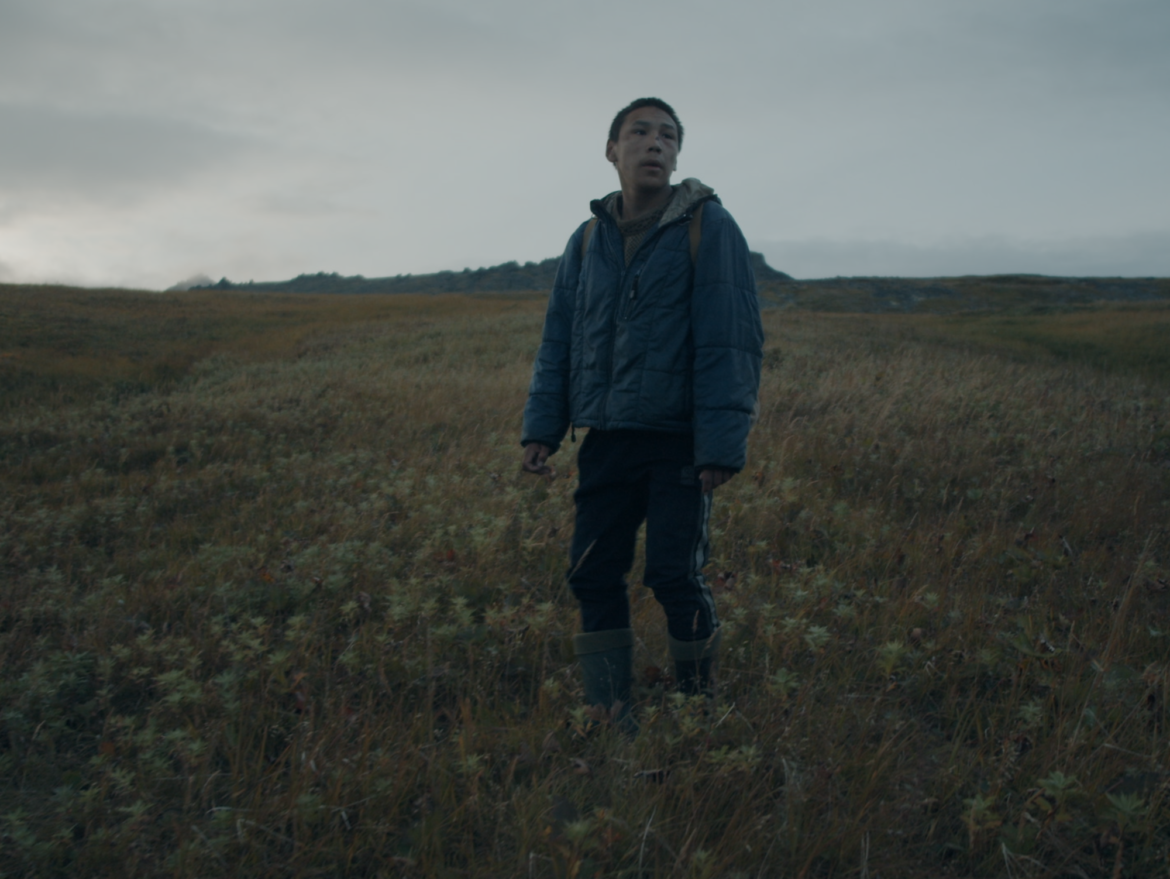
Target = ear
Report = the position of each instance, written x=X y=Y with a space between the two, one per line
x=611 y=152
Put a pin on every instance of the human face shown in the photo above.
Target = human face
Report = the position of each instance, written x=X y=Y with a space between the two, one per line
x=646 y=151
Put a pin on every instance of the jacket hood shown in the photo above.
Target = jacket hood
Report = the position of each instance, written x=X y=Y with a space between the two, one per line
x=688 y=195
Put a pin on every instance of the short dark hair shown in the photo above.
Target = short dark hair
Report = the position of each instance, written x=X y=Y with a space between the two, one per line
x=615 y=129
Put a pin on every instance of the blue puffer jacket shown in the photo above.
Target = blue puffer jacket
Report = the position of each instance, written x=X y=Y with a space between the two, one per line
x=661 y=345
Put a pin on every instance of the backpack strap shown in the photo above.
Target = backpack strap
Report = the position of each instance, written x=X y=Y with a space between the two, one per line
x=695 y=232
x=589 y=227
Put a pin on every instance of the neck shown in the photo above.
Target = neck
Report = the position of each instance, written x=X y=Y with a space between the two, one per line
x=639 y=202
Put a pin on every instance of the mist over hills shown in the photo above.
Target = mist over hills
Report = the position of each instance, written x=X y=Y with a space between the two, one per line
x=777 y=288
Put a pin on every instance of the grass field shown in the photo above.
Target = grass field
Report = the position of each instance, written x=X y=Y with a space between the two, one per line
x=1120 y=338
x=275 y=600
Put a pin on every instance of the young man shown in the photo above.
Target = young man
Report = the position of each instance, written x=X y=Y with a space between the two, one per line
x=653 y=341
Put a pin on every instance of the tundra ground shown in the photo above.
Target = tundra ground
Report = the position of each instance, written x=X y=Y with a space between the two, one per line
x=275 y=600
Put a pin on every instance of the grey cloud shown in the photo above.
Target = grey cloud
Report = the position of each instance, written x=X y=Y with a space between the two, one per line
x=307 y=206
x=237 y=54
x=1068 y=45
x=388 y=130
x=53 y=154
x=843 y=48
x=905 y=58
x=1145 y=255
x=1087 y=46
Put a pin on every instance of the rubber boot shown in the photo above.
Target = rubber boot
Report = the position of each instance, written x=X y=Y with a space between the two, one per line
x=606 y=660
x=695 y=664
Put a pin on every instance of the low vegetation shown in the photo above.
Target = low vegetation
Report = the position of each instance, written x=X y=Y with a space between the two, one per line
x=1014 y=294
x=276 y=601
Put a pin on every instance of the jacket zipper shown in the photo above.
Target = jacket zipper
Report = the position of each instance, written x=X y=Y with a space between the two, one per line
x=633 y=295
x=685 y=218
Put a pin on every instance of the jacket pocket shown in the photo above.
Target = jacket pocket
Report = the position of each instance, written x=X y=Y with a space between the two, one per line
x=664 y=401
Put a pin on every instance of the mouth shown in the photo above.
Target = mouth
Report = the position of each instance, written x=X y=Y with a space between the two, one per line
x=656 y=165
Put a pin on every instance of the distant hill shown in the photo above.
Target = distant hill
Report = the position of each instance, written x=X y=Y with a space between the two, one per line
x=968 y=293
x=506 y=277
x=777 y=289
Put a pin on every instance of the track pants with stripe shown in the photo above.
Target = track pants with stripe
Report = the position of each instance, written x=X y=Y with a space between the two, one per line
x=627 y=477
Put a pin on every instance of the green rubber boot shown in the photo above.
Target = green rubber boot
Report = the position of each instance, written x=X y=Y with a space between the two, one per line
x=695 y=664
x=606 y=660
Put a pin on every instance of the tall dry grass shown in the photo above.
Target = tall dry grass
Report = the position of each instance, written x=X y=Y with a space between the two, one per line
x=295 y=612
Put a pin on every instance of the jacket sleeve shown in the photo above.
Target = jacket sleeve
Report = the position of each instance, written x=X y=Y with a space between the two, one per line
x=546 y=414
x=729 y=341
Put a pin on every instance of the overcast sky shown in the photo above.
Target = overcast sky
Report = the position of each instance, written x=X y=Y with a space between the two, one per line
x=145 y=141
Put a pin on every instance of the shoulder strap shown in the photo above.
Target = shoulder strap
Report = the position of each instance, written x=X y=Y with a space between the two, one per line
x=589 y=227
x=696 y=231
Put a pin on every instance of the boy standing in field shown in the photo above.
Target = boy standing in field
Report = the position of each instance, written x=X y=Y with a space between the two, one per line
x=653 y=341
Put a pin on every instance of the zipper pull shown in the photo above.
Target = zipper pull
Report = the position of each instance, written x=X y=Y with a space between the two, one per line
x=572 y=433
x=634 y=288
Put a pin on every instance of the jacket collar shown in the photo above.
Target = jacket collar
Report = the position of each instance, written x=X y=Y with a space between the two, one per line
x=687 y=196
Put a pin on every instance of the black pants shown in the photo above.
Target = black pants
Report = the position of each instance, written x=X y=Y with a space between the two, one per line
x=627 y=477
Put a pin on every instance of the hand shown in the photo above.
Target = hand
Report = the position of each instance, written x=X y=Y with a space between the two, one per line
x=712 y=479
x=535 y=455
